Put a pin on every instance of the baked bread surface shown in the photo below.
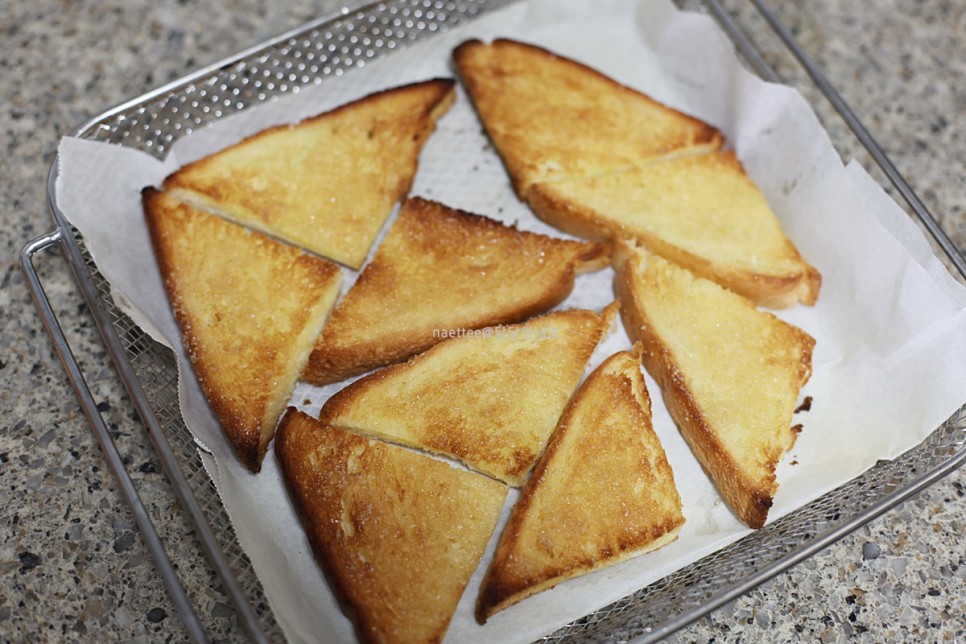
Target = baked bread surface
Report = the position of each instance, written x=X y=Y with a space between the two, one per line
x=489 y=399
x=399 y=534
x=249 y=308
x=441 y=269
x=731 y=374
x=551 y=117
x=328 y=183
x=602 y=492
x=700 y=211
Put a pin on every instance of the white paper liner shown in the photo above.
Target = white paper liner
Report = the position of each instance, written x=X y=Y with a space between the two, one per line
x=890 y=322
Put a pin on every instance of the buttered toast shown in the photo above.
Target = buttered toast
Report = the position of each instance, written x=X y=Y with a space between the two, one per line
x=489 y=398
x=326 y=184
x=602 y=161
x=439 y=270
x=550 y=117
x=248 y=313
x=730 y=374
x=602 y=492
x=398 y=533
x=700 y=211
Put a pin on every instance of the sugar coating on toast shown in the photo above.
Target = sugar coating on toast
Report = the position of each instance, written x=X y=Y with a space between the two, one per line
x=698 y=210
x=731 y=374
x=440 y=270
x=602 y=492
x=489 y=398
x=328 y=183
x=552 y=117
x=399 y=533
x=249 y=309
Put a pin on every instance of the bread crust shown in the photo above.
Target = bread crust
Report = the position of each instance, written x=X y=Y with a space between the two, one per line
x=750 y=497
x=430 y=275
x=246 y=364
x=398 y=534
x=368 y=149
x=605 y=440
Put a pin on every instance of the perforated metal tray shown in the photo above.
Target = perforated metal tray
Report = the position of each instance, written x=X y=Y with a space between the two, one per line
x=319 y=52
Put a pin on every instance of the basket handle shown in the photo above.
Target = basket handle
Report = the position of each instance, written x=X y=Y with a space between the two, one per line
x=141 y=517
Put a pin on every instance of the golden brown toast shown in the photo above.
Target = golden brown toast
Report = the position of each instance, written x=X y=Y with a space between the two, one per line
x=730 y=374
x=249 y=309
x=700 y=211
x=602 y=161
x=398 y=533
x=550 y=117
x=326 y=184
x=489 y=398
x=440 y=269
x=602 y=492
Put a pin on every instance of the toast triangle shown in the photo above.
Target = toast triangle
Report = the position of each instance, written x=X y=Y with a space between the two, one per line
x=602 y=161
x=730 y=374
x=440 y=270
x=489 y=399
x=249 y=314
x=700 y=211
x=602 y=492
x=328 y=183
x=398 y=533
x=551 y=117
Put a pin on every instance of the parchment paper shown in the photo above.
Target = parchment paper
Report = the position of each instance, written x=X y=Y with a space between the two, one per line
x=890 y=325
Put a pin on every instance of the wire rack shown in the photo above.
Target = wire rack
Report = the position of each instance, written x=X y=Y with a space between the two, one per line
x=316 y=53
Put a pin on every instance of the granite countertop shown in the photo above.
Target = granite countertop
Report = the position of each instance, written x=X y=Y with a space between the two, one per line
x=73 y=566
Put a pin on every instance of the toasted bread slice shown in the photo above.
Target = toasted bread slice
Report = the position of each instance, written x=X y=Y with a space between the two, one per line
x=730 y=374
x=440 y=269
x=602 y=492
x=249 y=314
x=326 y=184
x=550 y=117
x=489 y=398
x=698 y=210
x=398 y=533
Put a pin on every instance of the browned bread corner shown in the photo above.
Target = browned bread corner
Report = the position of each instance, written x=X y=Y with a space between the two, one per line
x=328 y=183
x=440 y=270
x=489 y=398
x=551 y=117
x=249 y=309
x=602 y=492
x=730 y=374
x=398 y=533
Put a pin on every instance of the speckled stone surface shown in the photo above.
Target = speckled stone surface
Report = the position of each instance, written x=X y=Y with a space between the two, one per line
x=72 y=565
